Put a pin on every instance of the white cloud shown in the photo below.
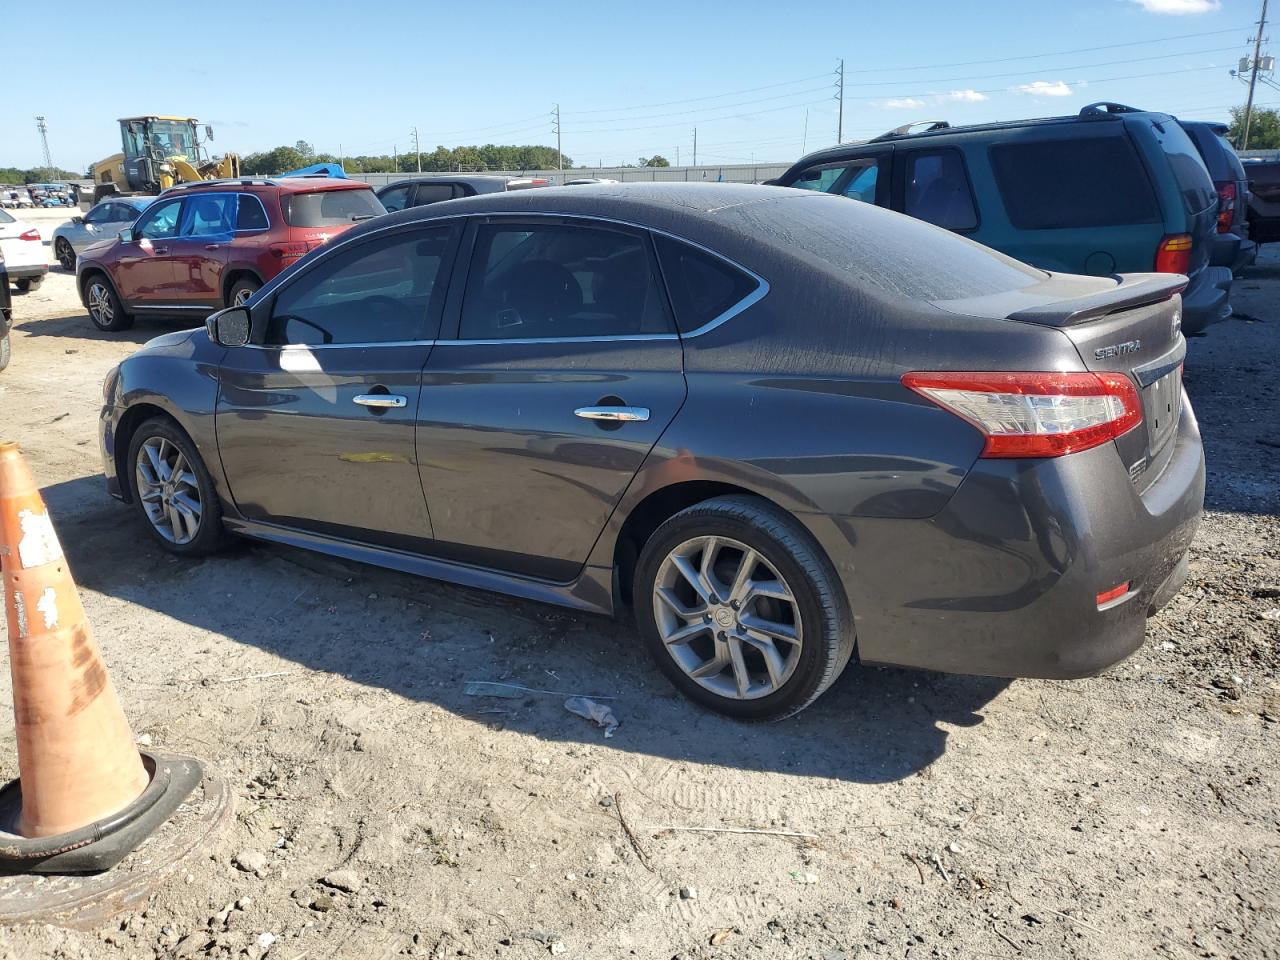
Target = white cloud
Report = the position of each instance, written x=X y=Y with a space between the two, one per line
x=1178 y=8
x=1043 y=88
x=898 y=103
x=959 y=96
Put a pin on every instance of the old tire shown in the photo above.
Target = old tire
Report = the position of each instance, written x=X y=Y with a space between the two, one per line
x=6 y=351
x=241 y=291
x=105 y=309
x=165 y=501
x=788 y=589
x=28 y=284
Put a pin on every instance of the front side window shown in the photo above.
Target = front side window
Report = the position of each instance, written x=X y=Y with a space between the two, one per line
x=537 y=281
x=378 y=291
x=102 y=213
x=937 y=190
x=854 y=178
x=821 y=179
x=330 y=208
x=160 y=221
x=209 y=216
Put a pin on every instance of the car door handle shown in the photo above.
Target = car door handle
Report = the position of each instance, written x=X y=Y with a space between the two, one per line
x=160 y=249
x=623 y=414
x=382 y=401
x=212 y=246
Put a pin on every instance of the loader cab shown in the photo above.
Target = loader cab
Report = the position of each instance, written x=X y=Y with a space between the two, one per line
x=150 y=141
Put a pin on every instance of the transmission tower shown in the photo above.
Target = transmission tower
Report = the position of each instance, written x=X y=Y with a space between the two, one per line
x=44 y=145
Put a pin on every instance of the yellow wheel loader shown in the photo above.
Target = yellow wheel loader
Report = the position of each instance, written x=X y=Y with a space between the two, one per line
x=159 y=152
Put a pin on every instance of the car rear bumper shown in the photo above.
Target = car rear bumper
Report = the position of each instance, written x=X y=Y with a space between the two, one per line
x=1207 y=299
x=27 y=271
x=1004 y=581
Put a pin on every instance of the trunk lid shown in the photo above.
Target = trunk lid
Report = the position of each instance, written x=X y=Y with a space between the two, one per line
x=1130 y=324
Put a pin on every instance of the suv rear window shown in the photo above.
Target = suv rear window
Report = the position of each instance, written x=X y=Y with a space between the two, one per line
x=1058 y=184
x=330 y=208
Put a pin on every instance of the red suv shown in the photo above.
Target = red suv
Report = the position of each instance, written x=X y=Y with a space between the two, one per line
x=202 y=246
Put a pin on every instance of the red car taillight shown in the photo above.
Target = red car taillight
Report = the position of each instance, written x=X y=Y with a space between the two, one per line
x=1174 y=254
x=290 y=251
x=1226 y=205
x=1035 y=414
x=30 y=235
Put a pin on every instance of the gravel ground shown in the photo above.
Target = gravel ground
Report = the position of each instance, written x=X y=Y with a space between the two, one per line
x=381 y=812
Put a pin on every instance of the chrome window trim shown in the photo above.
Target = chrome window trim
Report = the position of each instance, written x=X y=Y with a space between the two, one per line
x=750 y=300
x=336 y=346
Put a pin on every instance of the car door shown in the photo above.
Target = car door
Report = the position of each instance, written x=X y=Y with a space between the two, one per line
x=143 y=271
x=315 y=422
x=202 y=247
x=564 y=371
x=97 y=224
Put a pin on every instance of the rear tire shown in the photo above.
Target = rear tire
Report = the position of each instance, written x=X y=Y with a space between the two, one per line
x=777 y=631
x=241 y=291
x=29 y=284
x=173 y=491
x=105 y=309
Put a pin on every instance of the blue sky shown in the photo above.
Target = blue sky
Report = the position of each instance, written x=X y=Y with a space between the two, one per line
x=632 y=79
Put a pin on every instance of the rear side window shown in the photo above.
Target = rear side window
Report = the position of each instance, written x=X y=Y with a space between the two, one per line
x=550 y=281
x=702 y=287
x=330 y=208
x=1233 y=159
x=432 y=193
x=937 y=190
x=251 y=215
x=1061 y=184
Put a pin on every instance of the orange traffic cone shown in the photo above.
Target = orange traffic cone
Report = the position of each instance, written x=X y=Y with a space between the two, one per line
x=79 y=771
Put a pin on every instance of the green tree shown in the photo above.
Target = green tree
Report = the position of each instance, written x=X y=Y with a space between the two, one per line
x=655 y=161
x=272 y=161
x=305 y=149
x=1264 y=129
x=15 y=175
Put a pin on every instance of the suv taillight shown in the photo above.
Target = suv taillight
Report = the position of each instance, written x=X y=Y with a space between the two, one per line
x=1035 y=414
x=1226 y=205
x=290 y=251
x=1173 y=255
x=31 y=234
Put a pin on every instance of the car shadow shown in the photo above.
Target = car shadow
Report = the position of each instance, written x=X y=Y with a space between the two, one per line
x=423 y=640
x=78 y=326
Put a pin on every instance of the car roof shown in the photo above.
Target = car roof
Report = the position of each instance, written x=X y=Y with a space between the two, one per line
x=256 y=184
x=453 y=178
x=1093 y=113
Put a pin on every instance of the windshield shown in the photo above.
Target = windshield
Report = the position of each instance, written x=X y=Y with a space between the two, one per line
x=331 y=208
x=159 y=139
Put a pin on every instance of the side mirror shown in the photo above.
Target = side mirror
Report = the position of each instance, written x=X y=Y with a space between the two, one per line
x=126 y=235
x=229 y=327
x=77 y=219
x=208 y=132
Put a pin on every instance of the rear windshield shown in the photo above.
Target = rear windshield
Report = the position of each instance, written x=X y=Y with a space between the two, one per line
x=330 y=208
x=879 y=248
x=1082 y=182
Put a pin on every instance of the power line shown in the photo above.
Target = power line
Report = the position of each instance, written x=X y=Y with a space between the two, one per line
x=719 y=106
x=711 y=96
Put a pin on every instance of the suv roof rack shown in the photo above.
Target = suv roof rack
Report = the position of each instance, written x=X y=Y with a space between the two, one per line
x=906 y=131
x=1105 y=108
x=243 y=181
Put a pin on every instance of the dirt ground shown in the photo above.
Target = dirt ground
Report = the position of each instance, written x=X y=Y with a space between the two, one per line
x=1135 y=814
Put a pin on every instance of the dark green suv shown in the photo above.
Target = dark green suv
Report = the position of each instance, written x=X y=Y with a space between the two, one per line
x=1109 y=190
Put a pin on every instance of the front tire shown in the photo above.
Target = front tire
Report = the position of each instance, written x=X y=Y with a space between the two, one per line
x=6 y=351
x=66 y=254
x=105 y=309
x=173 y=491
x=741 y=610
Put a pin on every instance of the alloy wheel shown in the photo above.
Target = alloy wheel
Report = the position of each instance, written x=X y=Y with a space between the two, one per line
x=100 y=307
x=169 y=490
x=242 y=297
x=727 y=618
x=66 y=254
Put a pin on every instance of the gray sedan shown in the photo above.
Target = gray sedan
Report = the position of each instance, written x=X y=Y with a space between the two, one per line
x=781 y=429
x=103 y=222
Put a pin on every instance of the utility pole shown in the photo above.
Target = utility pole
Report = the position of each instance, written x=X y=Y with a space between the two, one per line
x=1253 y=78
x=840 y=101
x=44 y=143
x=341 y=157
x=695 y=146
x=559 y=154
x=677 y=154
x=395 y=158
x=805 y=139
x=417 y=148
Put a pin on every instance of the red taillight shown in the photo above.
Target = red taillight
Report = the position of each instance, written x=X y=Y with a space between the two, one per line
x=1036 y=414
x=30 y=235
x=1174 y=254
x=1115 y=593
x=1226 y=205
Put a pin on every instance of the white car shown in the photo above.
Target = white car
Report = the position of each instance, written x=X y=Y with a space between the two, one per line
x=24 y=253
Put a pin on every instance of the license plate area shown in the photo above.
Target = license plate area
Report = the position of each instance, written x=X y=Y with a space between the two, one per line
x=1162 y=407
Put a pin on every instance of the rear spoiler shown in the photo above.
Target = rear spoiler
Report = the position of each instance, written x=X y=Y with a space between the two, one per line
x=1133 y=290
